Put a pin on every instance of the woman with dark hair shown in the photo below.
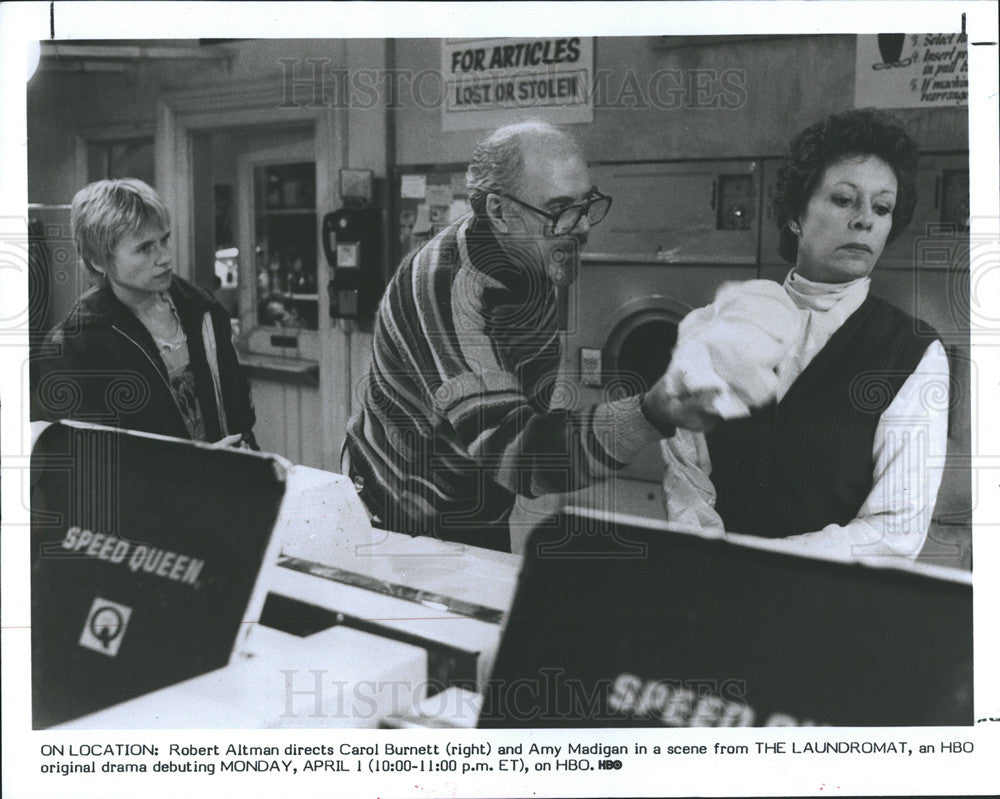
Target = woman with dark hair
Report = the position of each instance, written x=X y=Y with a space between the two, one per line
x=848 y=459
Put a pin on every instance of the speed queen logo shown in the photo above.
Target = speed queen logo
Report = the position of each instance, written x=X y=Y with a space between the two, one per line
x=105 y=626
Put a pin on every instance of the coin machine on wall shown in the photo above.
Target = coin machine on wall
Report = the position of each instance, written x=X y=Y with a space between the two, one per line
x=352 y=239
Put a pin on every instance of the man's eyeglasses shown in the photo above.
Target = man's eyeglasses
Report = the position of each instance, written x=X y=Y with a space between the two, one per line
x=565 y=220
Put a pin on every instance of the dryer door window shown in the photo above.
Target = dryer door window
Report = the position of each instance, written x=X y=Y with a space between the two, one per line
x=638 y=351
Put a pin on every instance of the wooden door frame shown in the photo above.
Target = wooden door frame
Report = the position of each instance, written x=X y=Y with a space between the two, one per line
x=246 y=163
x=246 y=105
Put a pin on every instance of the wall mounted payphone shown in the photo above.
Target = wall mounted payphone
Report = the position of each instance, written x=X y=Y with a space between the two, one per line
x=352 y=241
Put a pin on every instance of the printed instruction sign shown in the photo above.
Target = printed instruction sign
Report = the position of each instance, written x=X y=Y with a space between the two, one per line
x=492 y=82
x=910 y=70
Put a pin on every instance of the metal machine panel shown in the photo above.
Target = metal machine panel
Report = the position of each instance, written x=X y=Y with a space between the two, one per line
x=670 y=212
x=676 y=232
x=626 y=310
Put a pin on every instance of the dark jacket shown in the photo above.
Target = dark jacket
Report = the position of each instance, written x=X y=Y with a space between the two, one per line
x=101 y=365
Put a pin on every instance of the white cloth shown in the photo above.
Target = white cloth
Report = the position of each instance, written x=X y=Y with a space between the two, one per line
x=909 y=447
x=727 y=352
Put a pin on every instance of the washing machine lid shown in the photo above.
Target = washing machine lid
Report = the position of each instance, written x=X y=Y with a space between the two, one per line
x=621 y=622
x=145 y=554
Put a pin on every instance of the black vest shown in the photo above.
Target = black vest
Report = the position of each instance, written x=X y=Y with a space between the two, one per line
x=807 y=462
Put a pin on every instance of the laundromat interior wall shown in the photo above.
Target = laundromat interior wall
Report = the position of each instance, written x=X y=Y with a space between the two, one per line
x=787 y=83
x=746 y=98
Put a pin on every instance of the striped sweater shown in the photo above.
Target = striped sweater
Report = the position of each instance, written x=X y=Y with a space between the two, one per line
x=456 y=419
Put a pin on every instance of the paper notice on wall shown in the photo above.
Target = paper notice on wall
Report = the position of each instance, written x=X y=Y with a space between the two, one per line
x=493 y=82
x=413 y=187
x=439 y=195
x=910 y=70
x=423 y=221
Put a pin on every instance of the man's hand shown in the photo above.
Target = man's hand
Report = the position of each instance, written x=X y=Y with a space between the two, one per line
x=665 y=410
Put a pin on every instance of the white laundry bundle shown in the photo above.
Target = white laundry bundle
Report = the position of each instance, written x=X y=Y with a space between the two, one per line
x=729 y=352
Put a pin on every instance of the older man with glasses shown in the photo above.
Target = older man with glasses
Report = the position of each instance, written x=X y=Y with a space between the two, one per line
x=456 y=420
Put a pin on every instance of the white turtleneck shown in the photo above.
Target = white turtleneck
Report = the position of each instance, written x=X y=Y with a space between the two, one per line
x=909 y=448
x=825 y=307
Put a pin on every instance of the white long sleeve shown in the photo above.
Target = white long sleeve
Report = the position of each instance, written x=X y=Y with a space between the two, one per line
x=909 y=451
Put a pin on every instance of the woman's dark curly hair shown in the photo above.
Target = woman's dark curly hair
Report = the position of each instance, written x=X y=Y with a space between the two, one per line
x=861 y=132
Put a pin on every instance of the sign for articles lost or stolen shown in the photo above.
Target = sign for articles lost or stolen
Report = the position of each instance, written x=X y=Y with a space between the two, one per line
x=492 y=82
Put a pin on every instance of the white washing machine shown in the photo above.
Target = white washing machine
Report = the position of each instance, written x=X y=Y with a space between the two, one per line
x=622 y=326
x=675 y=233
